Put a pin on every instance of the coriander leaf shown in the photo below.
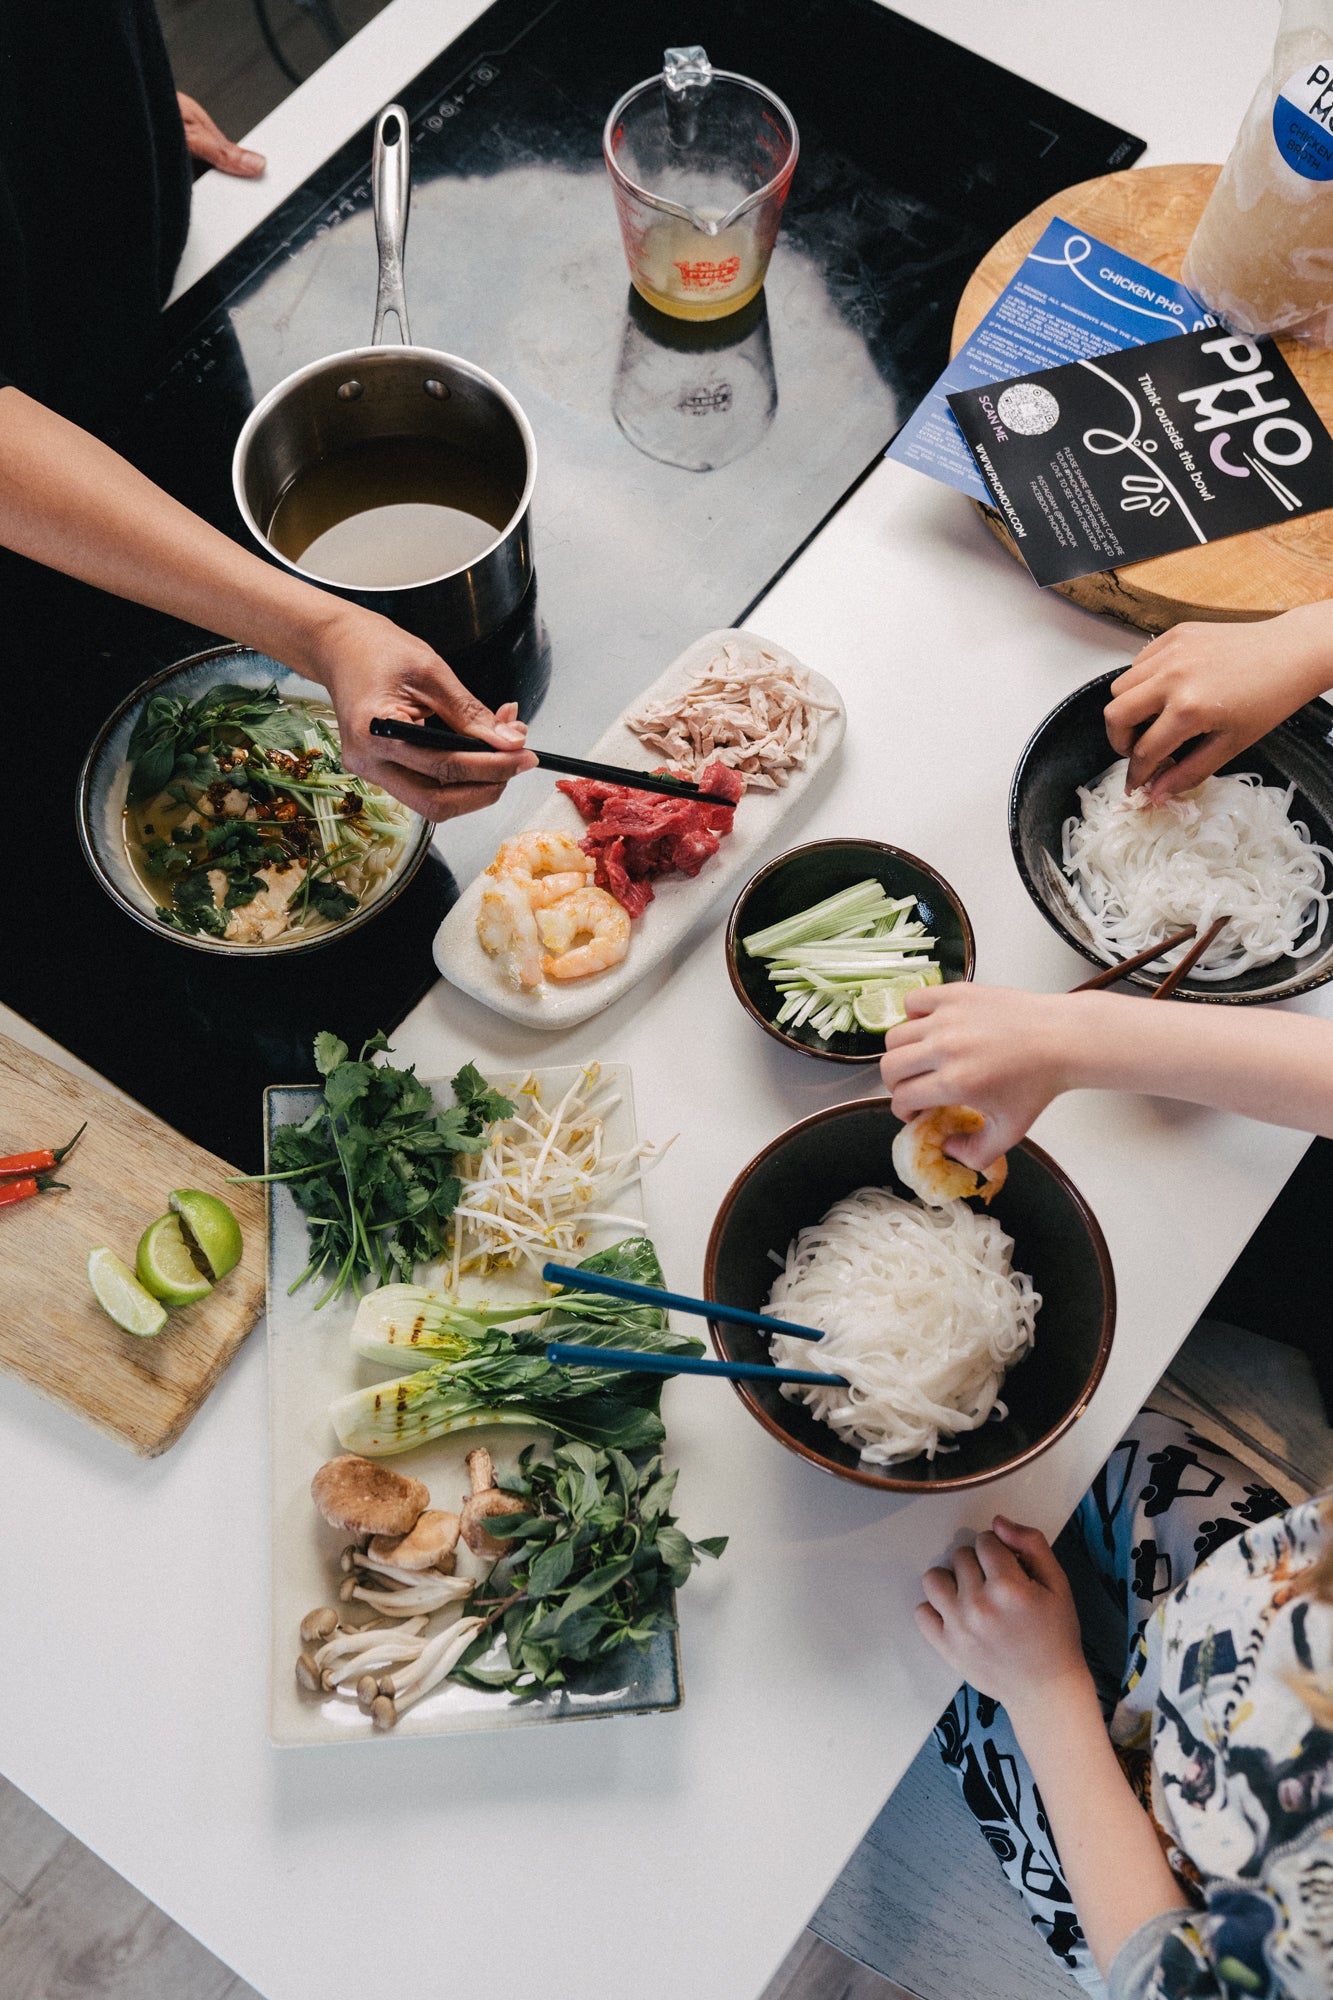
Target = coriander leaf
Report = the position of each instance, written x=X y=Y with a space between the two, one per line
x=329 y=1052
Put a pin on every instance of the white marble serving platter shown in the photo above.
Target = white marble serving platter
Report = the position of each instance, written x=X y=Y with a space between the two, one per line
x=679 y=901
x=311 y=1361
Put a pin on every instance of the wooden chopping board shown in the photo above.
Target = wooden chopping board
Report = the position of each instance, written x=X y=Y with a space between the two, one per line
x=1151 y=212
x=53 y=1334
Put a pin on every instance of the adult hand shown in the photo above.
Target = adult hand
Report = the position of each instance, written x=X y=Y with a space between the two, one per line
x=1003 y=1052
x=1225 y=684
x=372 y=667
x=1003 y=1616
x=207 y=143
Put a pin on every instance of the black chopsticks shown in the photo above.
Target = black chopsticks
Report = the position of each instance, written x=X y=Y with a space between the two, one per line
x=434 y=736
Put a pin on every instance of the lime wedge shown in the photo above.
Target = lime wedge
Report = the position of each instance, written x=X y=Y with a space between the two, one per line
x=166 y=1267
x=120 y=1294
x=210 y=1228
x=878 y=1008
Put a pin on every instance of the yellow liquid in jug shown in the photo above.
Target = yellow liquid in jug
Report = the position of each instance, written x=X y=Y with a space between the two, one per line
x=689 y=275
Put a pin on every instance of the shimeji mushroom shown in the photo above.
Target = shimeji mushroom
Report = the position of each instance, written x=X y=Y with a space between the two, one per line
x=437 y=1661
x=347 y=1650
x=364 y=1498
x=426 y=1594
x=483 y=1504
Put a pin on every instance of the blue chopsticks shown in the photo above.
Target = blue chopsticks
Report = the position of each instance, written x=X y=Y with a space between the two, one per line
x=650 y=1295
x=573 y=1354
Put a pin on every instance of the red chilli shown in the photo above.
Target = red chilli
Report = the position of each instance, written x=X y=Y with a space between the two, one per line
x=37 y=1163
x=24 y=1190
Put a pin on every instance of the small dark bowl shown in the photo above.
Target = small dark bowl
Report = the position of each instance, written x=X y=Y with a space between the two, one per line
x=799 y=1176
x=1070 y=749
x=806 y=875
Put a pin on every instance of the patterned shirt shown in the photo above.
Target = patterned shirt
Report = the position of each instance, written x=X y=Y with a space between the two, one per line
x=1232 y=1688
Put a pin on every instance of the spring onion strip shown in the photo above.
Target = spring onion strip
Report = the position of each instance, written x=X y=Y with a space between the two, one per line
x=544 y=1181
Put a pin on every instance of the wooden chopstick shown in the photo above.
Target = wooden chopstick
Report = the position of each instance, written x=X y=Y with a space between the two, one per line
x=1109 y=976
x=1189 y=961
x=429 y=736
x=572 y=1354
x=578 y=1279
x=1127 y=965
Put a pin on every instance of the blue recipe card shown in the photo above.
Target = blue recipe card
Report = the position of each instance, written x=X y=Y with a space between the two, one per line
x=1072 y=298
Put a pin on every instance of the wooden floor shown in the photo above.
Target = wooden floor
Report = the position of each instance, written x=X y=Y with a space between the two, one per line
x=71 y=1929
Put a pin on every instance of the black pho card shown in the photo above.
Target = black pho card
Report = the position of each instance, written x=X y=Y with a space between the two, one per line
x=1146 y=451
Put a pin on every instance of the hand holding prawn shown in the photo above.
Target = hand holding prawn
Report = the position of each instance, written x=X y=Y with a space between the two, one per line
x=1000 y=1051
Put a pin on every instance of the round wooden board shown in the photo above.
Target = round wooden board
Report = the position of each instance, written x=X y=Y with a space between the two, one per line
x=1151 y=212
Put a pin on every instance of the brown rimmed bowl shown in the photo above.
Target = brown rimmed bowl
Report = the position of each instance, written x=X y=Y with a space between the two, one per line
x=104 y=785
x=806 y=875
x=1069 y=749
x=797 y=1178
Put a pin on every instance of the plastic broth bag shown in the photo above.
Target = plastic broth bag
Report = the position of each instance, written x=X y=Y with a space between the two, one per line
x=1262 y=255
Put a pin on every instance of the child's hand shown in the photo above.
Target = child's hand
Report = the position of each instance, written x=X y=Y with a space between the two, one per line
x=1004 y=1618
x=1226 y=684
x=1003 y=1052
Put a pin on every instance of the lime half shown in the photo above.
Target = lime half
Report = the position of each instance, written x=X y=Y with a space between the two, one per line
x=166 y=1266
x=213 y=1229
x=120 y=1294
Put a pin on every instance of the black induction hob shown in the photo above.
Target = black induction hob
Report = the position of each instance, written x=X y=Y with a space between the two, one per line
x=915 y=156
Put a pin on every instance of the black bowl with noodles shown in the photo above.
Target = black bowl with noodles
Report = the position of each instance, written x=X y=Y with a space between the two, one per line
x=104 y=786
x=1070 y=749
x=796 y=1179
x=807 y=875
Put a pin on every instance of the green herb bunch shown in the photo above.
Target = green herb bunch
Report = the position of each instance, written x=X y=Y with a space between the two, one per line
x=373 y=1165
x=176 y=741
x=599 y=1556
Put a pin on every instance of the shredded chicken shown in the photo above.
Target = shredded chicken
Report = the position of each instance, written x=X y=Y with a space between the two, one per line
x=266 y=915
x=757 y=716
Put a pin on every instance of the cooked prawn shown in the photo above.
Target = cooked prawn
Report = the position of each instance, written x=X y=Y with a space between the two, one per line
x=921 y=1163
x=508 y=931
x=541 y=852
x=591 y=914
x=542 y=890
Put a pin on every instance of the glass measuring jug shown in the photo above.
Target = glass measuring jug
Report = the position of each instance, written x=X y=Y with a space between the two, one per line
x=700 y=162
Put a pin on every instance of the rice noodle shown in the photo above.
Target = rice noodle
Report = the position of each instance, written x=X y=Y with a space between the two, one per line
x=919 y=1310
x=1137 y=872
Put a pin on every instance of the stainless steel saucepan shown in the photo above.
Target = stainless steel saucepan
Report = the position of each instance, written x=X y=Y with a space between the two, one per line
x=372 y=393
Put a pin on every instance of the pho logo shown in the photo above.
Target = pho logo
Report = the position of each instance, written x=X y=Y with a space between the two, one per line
x=1028 y=409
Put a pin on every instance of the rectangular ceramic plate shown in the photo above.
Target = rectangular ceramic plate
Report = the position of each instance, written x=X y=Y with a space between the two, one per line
x=679 y=901
x=310 y=1362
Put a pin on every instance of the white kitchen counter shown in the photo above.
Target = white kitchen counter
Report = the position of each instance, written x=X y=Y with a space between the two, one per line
x=673 y=1854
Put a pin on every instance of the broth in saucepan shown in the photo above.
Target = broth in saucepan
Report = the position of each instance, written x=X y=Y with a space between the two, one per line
x=391 y=512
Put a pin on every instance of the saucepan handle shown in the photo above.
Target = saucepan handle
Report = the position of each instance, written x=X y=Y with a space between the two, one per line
x=391 y=184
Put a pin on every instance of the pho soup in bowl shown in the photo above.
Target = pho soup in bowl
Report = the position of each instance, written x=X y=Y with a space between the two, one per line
x=1105 y=880
x=214 y=808
x=1039 y=1237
